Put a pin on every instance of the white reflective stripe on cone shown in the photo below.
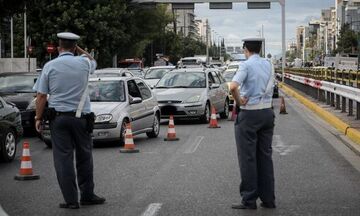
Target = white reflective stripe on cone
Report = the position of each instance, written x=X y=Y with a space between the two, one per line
x=171 y=130
x=129 y=141
x=26 y=165
x=26 y=152
x=128 y=131
x=171 y=122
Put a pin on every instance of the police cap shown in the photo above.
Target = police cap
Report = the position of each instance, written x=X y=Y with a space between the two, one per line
x=68 y=36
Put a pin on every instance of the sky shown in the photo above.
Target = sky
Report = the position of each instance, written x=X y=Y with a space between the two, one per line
x=239 y=23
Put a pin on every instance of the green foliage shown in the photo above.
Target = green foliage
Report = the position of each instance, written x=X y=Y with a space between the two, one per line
x=110 y=27
x=347 y=40
x=10 y=7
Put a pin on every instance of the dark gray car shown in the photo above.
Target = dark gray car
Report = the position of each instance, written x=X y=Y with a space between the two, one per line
x=10 y=130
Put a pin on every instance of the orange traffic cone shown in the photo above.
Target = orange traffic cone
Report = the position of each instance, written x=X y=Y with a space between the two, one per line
x=213 y=120
x=233 y=114
x=129 y=146
x=26 y=172
x=282 y=106
x=171 y=134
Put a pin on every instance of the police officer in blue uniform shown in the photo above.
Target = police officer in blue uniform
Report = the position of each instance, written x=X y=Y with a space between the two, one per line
x=65 y=79
x=254 y=127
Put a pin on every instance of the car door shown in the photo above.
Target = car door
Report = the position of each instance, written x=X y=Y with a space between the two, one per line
x=212 y=91
x=136 y=109
x=218 y=93
x=148 y=116
x=223 y=90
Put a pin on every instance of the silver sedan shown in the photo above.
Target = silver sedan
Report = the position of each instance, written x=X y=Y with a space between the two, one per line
x=117 y=101
x=190 y=93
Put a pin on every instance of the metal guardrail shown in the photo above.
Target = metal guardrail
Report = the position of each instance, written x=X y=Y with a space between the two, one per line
x=349 y=76
x=338 y=88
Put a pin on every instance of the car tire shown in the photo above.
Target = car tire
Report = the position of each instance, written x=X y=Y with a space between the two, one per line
x=225 y=114
x=206 y=117
x=156 y=128
x=8 y=146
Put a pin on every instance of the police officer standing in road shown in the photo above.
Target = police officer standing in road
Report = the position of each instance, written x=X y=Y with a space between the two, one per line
x=65 y=80
x=254 y=127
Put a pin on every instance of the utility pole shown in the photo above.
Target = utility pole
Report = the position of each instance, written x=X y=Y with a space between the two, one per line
x=207 y=42
x=304 y=45
x=25 y=36
x=12 y=42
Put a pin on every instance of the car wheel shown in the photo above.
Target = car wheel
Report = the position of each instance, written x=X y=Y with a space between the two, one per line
x=225 y=114
x=206 y=117
x=8 y=146
x=156 y=128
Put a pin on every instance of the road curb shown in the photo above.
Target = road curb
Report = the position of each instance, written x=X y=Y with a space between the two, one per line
x=340 y=125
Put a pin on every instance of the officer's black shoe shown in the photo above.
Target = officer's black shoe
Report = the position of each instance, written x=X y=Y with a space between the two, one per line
x=69 y=205
x=243 y=206
x=270 y=205
x=94 y=200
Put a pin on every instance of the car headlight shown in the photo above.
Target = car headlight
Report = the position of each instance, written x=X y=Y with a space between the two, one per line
x=103 y=118
x=193 y=99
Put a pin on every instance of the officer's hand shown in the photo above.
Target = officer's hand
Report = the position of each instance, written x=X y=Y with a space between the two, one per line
x=243 y=101
x=38 y=126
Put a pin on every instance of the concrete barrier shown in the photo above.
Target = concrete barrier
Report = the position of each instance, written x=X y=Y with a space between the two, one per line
x=17 y=65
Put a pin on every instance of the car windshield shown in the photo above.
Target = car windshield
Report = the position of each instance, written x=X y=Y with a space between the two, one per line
x=157 y=73
x=228 y=75
x=17 y=83
x=129 y=65
x=189 y=62
x=233 y=67
x=183 y=80
x=107 y=91
x=136 y=72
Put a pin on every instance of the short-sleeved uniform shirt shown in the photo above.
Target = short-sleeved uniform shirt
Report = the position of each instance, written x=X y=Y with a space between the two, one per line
x=65 y=79
x=253 y=76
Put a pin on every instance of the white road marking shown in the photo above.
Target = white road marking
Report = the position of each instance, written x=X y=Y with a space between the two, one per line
x=280 y=147
x=192 y=148
x=2 y=212
x=152 y=209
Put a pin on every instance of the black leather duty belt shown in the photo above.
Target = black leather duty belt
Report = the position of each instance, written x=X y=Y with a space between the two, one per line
x=72 y=114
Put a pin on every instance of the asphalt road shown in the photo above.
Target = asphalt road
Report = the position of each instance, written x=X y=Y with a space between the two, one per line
x=199 y=174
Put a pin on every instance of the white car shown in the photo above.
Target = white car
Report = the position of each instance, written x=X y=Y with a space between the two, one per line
x=117 y=101
x=154 y=74
x=111 y=72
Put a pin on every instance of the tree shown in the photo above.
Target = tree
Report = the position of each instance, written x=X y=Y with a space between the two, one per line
x=10 y=7
x=347 y=40
x=110 y=27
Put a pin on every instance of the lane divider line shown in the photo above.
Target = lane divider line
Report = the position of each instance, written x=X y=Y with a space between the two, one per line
x=152 y=209
x=195 y=145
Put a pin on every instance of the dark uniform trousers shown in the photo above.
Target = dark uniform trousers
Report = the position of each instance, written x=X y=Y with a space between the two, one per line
x=253 y=132
x=68 y=134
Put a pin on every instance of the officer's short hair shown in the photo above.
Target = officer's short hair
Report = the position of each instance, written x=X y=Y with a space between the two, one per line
x=252 y=46
x=67 y=44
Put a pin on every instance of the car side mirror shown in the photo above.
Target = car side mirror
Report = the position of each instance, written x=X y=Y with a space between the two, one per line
x=135 y=100
x=214 y=85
